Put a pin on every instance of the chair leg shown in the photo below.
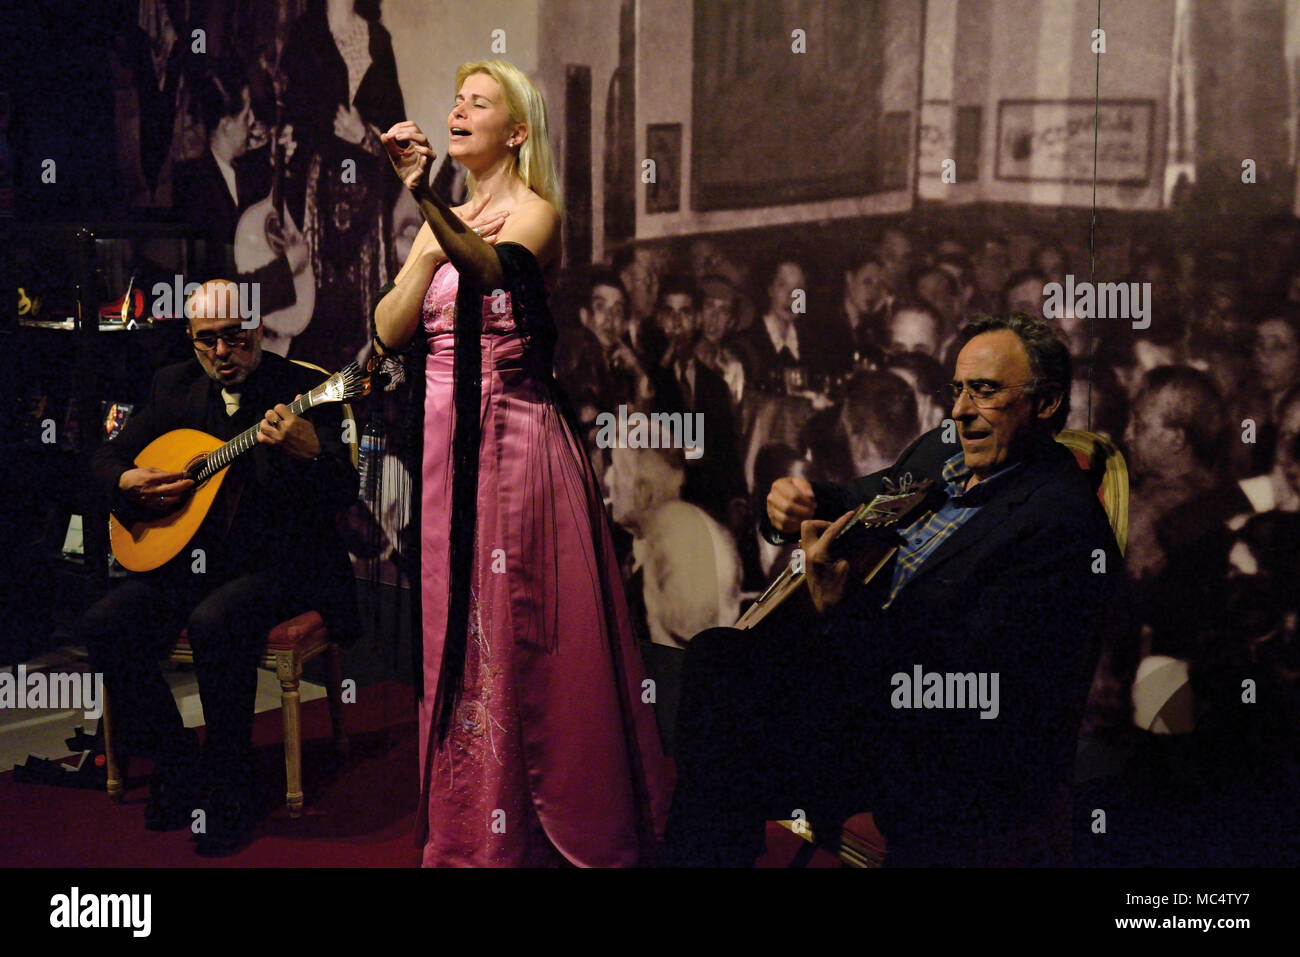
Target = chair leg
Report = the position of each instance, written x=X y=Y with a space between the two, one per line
x=116 y=773
x=290 y=705
x=334 y=688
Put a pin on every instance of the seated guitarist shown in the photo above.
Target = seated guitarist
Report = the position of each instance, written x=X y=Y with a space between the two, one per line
x=267 y=551
x=831 y=709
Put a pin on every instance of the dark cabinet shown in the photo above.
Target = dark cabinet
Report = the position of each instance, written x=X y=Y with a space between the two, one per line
x=64 y=370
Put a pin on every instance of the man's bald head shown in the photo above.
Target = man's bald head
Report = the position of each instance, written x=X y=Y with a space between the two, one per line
x=228 y=352
x=1183 y=401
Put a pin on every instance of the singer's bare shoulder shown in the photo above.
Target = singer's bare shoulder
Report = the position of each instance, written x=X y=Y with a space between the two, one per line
x=535 y=224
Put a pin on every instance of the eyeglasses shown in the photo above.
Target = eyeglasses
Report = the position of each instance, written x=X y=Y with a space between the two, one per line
x=982 y=393
x=233 y=338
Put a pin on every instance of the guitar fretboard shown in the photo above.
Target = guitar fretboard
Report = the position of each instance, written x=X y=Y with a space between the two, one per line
x=219 y=459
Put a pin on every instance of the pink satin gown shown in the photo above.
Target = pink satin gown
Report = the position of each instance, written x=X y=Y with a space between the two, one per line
x=553 y=755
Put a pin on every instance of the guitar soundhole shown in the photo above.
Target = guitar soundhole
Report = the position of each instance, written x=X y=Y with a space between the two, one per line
x=271 y=230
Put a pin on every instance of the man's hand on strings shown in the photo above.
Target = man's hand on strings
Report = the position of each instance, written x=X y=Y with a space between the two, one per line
x=827 y=576
x=157 y=490
x=293 y=434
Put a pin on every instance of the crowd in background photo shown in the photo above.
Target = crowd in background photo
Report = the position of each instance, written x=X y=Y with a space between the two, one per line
x=828 y=371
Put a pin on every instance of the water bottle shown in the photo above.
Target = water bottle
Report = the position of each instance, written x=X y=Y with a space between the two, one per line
x=372 y=458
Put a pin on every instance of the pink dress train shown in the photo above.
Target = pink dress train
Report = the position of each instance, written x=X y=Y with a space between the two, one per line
x=554 y=753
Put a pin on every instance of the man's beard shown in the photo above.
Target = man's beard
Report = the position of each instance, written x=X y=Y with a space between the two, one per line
x=215 y=376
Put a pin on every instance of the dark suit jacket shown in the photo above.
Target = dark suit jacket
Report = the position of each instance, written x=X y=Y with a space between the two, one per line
x=826 y=347
x=284 y=508
x=200 y=191
x=317 y=85
x=717 y=476
x=1196 y=541
x=648 y=342
x=584 y=369
x=837 y=339
x=200 y=194
x=763 y=364
x=1019 y=591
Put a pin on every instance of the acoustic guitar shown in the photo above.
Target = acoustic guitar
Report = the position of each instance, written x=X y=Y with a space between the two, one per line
x=868 y=540
x=129 y=307
x=144 y=544
x=28 y=305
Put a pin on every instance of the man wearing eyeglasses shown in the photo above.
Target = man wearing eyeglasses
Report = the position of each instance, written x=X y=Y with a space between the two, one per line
x=1009 y=576
x=268 y=550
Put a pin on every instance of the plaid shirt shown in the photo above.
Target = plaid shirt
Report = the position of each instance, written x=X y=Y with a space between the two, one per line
x=924 y=536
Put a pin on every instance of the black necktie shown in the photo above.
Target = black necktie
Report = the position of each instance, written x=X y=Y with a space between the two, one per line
x=687 y=397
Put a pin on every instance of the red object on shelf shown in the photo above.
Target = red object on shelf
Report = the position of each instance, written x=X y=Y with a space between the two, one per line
x=115 y=310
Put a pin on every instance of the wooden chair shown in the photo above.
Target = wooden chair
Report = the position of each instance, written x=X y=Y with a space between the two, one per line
x=860 y=844
x=289 y=646
x=1105 y=465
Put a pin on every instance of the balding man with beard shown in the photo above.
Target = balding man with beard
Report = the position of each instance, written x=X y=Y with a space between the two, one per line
x=269 y=551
